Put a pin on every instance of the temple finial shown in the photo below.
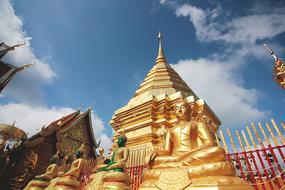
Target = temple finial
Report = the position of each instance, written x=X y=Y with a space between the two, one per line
x=271 y=52
x=13 y=125
x=4 y=48
x=160 y=55
x=26 y=66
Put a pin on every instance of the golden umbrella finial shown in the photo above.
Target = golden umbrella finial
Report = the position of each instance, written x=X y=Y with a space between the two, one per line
x=160 y=55
x=10 y=132
x=271 y=52
x=279 y=68
x=159 y=36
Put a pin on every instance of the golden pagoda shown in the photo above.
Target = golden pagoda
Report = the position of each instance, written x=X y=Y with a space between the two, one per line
x=172 y=132
x=150 y=112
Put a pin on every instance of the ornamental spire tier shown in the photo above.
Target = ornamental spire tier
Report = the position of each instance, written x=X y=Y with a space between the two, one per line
x=150 y=112
x=160 y=55
x=278 y=69
x=161 y=79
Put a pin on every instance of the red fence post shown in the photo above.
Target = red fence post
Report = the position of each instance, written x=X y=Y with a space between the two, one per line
x=275 y=160
x=248 y=164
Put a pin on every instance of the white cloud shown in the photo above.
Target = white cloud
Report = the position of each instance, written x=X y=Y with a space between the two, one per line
x=217 y=83
x=11 y=32
x=162 y=1
x=247 y=29
x=31 y=118
x=106 y=143
x=99 y=132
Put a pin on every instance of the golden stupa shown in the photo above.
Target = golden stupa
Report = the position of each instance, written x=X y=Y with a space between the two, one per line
x=171 y=130
x=151 y=111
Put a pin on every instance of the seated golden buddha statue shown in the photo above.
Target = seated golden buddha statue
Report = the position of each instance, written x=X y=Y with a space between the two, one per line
x=70 y=179
x=100 y=159
x=190 y=159
x=112 y=174
x=57 y=166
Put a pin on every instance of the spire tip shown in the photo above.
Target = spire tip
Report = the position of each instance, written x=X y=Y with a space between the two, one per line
x=160 y=55
x=271 y=52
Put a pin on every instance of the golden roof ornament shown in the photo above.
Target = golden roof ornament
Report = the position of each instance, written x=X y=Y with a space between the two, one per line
x=123 y=135
x=279 y=68
x=4 y=48
x=160 y=55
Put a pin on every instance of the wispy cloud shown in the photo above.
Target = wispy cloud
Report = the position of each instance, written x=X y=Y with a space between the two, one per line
x=31 y=118
x=217 y=83
x=244 y=29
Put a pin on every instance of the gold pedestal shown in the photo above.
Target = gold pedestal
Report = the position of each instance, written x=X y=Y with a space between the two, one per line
x=219 y=183
x=67 y=183
x=109 y=180
x=179 y=179
x=203 y=183
x=115 y=186
x=37 y=185
x=53 y=183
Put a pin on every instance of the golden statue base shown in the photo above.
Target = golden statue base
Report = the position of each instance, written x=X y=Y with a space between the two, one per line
x=67 y=183
x=220 y=183
x=178 y=179
x=202 y=183
x=109 y=180
x=37 y=185
x=53 y=183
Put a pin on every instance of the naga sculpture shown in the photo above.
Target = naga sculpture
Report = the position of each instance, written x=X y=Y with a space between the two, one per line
x=112 y=175
x=190 y=158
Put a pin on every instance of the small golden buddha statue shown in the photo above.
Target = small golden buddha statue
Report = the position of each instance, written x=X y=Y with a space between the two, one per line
x=101 y=157
x=70 y=179
x=190 y=158
x=57 y=166
x=112 y=175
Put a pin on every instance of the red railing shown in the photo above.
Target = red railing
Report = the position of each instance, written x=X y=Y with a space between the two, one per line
x=136 y=174
x=263 y=168
x=259 y=163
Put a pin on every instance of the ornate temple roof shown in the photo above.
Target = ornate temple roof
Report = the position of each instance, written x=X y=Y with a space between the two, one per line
x=63 y=124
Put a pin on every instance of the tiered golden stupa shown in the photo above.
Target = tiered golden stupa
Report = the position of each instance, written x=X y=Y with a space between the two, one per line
x=151 y=111
x=172 y=131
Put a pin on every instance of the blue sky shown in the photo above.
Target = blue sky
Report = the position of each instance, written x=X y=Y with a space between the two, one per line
x=99 y=51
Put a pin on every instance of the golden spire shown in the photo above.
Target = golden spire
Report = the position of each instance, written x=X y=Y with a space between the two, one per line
x=271 y=52
x=161 y=79
x=160 y=55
